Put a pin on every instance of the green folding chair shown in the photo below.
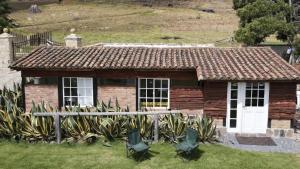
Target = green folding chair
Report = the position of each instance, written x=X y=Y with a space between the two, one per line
x=135 y=144
x=188 y=142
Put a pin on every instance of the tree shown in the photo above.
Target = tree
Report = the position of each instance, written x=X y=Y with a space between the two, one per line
x=241 y=3
x=263 y=18
x=4 y=11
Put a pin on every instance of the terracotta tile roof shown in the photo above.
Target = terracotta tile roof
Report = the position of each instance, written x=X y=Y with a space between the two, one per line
x=254 y=63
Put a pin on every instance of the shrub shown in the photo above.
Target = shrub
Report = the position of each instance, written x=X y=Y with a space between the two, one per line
x=206 y=128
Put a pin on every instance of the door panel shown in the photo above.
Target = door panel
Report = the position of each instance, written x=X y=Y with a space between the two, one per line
x=248 y=111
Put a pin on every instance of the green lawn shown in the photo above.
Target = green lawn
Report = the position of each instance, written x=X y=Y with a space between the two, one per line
x=65 y=156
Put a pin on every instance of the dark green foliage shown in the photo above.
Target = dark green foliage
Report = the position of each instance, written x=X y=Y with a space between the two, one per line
x=4 y=11
x=241 y=3
x=256 y=31
x=263 y=18
x=296 y=45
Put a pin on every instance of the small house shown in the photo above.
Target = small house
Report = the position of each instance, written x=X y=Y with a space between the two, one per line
x=245 y=89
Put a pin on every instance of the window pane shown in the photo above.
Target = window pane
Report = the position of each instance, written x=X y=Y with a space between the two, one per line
x=255 y=85
x=67 y=101
x=149 y=83
x=157 y=92
x=143 y=102
x=164 y=103
x=143 y=93
x=232 y=113
x=66 y=82
x=157 y=84
x=81 y=101
x=254 y=102
x=71 y=101
x=254 y=93
x=143 y=83
x=233 y=104
x=232 y=123
x=149 y=102
x=157 y=103
x=261 y=85
x=67 y=91
x=234 y=86
x=88 y=82
x=88 y=101
x=248 y=93
x=248 y=102
x=248 y=85
x=81 y=92
x=261 y=102
x=261 y=93
x=73 y=82
x=89 y=92
x=165 y=84
x=73 y=91
x=150 y=93
x=164 y=93
x=234 y=94
x=81 y=83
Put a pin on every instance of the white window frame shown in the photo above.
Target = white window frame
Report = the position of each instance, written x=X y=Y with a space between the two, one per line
x=298 y=100
x=139 y=93
x=84 y=87
x=258 y=98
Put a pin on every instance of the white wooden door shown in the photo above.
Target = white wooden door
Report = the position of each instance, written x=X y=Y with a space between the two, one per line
x=247 y=107
x=255 y=104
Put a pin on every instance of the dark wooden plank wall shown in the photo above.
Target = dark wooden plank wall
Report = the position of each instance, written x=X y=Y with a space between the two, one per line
x=282 y=100
x=215 y=99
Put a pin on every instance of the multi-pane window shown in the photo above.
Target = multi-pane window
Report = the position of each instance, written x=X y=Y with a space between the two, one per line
x=255 y=93
x=233 y=105
x=153 y=93
x=77 y=91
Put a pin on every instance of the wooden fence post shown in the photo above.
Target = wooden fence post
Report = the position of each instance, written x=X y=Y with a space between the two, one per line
x=156 y=128
x=57 y=128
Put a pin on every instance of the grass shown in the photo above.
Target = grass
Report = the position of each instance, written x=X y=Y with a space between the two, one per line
x=211 y=156
x=128 y=22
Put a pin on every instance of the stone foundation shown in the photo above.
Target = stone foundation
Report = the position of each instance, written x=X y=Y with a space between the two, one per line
x=280 y=124
x=279 y=132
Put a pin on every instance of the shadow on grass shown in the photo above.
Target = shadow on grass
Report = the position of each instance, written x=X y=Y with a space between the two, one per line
x=139 y=157
x=194 y=155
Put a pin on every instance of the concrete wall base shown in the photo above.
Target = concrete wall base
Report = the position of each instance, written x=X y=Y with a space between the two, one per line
x=279 y=132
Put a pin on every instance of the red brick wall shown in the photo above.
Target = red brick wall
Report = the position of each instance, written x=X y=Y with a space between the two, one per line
x=39 y=93
x=190 y=98
x=215 y=99
x=282 y=100
x=126 y=95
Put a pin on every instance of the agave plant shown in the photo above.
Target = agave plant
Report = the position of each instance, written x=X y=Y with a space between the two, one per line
x=78 y=128
x=206 y=128
x=110 y=126
x=10 y=112
x=144 y=123
x=36 y=128
x=173 y=126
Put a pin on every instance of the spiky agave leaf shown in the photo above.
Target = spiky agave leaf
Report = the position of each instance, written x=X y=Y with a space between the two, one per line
x=206 y=128
x=173 y=126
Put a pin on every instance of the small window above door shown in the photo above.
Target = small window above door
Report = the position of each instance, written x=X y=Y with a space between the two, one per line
x=255 y=93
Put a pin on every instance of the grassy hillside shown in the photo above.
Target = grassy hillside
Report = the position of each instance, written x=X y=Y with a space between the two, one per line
x=136 y=23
